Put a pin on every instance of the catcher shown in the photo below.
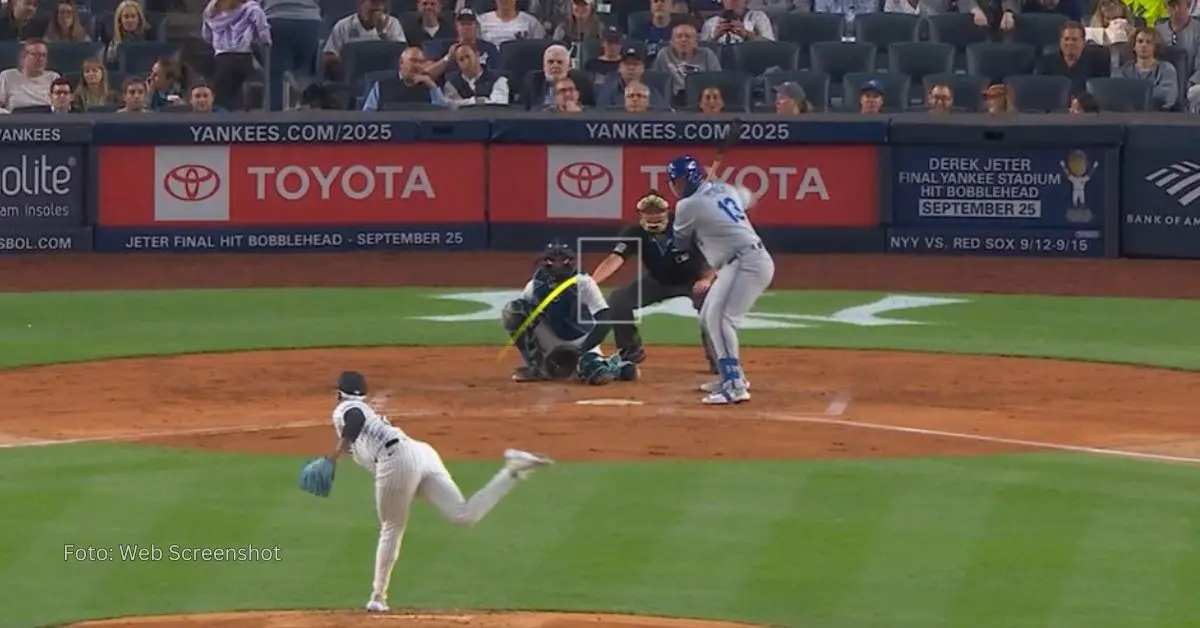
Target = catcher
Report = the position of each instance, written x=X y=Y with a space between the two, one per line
x=666 y=274
x=564 y=341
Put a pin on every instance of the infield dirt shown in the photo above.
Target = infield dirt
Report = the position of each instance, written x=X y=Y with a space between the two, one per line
x=807 y=404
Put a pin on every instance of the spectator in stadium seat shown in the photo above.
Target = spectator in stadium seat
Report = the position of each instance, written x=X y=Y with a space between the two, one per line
x=1149 y=11
x=791 y=99
x=60 y=97
x=711 y=100
x=1073 y=9
x=21 y=21
x=370 y=22
x=200 y=99
x=996 y=99
x=582 y=25
x=848 y=8
x=428 y=24
x=630 y=70
x=66 y=25
x=657 y=32
x=683 y=57
x=915 y=7
x=133 y=94
x=1180 y=30
x=29 y=84
x=996 y=15
x=234 y=28
x=610 y=55
x=1110 y=23
x=1084 y=103
x=539 y=88
x=1146 y=67
x=164 y=85
x=471 y=84
x=737 y=24
x=411 y=85
x=566 y=97
x=93 y=89
x=940 y=99
x=1070 y=61
x=129 y=25
x=466 y=26
x=870 y=97
x=296 y=37
x=636 y=97
x=506 y=24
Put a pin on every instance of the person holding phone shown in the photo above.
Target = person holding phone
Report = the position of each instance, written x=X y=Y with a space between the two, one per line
x=736 y=24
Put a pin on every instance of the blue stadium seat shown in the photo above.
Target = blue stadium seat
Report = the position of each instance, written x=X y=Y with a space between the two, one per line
x=997 y=61
x=1121 y=94
x=69 y=56
x=360 y=57
x=138 y=57
x=1039 y=93
x=756 y=57
x=958 y=30
x=920 y=58
x=837 y=59
x=883 y=30
x=1038 y=29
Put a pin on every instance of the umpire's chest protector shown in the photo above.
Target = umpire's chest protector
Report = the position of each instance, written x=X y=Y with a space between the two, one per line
x=566 y=318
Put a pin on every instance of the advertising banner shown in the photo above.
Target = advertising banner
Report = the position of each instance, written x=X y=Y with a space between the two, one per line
x=1160 y=215
x=42 y=186
x=276 y=239
x=280 y=186
x=997 y=242
x=818 y=186
x=45 y=240
x=1001 y=187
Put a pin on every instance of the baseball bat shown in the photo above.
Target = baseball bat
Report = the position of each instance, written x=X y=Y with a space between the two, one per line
x=728 y=142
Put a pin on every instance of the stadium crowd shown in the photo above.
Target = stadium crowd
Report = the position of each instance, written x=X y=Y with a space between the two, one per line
x=708 y=56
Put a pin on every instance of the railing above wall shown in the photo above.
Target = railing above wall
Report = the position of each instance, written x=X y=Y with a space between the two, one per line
x=491 y=178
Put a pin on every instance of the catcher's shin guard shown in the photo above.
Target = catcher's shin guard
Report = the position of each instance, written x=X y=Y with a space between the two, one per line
x=513 y=316
x=595 y=369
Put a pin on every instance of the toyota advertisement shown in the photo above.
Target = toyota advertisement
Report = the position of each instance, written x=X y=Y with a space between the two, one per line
x=819 y=186
x=247 y=197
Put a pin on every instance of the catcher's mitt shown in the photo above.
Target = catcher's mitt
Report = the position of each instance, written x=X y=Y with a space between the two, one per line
x=561 y=363
x=317 y=477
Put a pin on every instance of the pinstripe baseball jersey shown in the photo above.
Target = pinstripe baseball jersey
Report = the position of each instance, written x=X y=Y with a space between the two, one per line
x=376 y=430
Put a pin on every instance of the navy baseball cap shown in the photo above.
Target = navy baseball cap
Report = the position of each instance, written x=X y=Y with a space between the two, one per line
x=873 y=85
x=466 y=15
x=632 y=52
x=611 y=34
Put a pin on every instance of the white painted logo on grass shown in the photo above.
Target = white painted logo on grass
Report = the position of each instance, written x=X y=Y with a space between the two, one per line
x=869 y=315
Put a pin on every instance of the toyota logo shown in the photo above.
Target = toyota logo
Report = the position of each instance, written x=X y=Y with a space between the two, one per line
x=192 y=182
x=584 y=180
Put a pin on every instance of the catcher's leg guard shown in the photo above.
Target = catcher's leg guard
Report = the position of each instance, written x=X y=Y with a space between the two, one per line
x=595 y=369
x=513 y=316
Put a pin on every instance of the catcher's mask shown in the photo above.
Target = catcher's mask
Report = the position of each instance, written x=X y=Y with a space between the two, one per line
x=351 y=384
x=559 y=260
x=653 y=212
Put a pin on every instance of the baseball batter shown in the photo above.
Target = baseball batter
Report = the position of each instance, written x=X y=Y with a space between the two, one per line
x=713 y=215
x=405 y=467
x=667 y=273
x=565 y=340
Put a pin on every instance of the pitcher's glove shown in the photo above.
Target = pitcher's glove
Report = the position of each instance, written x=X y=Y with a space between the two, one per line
x=317 y=477
x=561 y=363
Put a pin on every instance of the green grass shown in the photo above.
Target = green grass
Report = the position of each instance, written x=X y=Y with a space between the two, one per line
x=1002 y=541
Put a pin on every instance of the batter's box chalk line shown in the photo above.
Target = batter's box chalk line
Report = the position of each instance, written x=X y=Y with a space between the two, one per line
x=1014 y=442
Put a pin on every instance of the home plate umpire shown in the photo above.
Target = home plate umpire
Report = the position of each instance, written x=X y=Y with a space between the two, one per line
x=666 y=274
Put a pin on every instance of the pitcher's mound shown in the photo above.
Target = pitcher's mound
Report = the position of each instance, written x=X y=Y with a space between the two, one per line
x=344 y=619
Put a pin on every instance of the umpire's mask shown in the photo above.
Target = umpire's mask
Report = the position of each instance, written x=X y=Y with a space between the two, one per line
x=653 y=212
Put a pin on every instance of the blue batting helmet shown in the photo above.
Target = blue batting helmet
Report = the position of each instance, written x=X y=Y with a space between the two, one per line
x=689 y=170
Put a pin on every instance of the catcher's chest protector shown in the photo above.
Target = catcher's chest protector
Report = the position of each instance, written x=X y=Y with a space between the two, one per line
x=564 y=313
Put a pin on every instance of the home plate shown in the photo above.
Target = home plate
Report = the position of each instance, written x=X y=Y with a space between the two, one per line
x=608 y=402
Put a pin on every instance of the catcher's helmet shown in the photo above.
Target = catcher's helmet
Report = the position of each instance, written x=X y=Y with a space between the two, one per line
x=558 y=259
x=352 y=383
x=653 y=212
